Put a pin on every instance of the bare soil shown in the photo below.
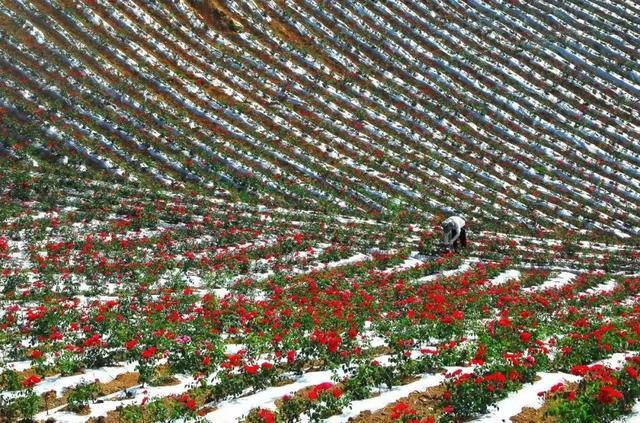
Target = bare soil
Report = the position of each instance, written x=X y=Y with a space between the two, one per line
x=216 y=14
x=539 y=415
x=426 y=403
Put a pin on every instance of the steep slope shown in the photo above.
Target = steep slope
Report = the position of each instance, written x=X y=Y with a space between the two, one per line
x=522 y=114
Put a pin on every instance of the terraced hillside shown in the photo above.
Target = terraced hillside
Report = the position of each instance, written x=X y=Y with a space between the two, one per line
x=123 y=304
x=518 y=113
x=229 y=211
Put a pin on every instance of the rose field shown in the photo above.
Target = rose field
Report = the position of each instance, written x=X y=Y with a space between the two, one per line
x=230 y=211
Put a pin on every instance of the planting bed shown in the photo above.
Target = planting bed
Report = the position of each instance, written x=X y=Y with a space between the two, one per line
x=155 y=306
x=229 y=211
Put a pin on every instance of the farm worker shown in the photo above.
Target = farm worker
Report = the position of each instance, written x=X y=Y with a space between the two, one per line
x=454 y=233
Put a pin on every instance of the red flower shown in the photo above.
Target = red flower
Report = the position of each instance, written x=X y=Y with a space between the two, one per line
x=525 y=337
x=318 y=389
x=480 y=355
x=337 y=393
x=579 y=370
x=334 y=343
x=149 y=352
x=252 y=370
x=191 y=404
x=609 y=395
x=558 y=387
x=131 y=344
x=93 y=341
x=31 y=381
x=496 y=377
x=188 y=402
x=267 y=416
x=324 y=386
x=632 y=372
x=353 y=332
x=291 y=356
x=400 y=410
x=35 y=354
x=504 y=322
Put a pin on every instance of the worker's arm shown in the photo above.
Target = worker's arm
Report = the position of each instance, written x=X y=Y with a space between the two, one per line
x=446 y=230
x=456 y=236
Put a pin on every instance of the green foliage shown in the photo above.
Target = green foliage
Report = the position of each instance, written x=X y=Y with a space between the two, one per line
x=157 y=410
x=10 y=380
x=81 y=396
x=471 y=394
x=602 y=396
x=132 y=414
x=68 y=364
x=21 y=409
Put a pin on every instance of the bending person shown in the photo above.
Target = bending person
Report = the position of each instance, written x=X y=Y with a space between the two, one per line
x=454 y=233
